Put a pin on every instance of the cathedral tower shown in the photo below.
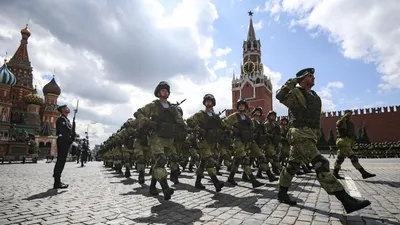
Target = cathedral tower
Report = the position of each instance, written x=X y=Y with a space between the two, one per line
x=252 y=84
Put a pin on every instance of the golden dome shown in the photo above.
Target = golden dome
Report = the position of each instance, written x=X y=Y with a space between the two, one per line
x=26 y=31
x=33 y=98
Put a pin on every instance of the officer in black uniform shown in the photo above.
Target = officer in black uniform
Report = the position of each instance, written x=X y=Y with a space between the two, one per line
x=84 y=152
x=64 y=142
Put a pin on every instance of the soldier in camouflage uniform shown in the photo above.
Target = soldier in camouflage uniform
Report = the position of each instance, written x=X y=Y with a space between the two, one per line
x=260 y=139
x=305 y=121
x=346 y=138
x=225 y=151
x=161 y=116
x=243 y=131
x=273 y=133
x=209 y=127
x=179 y=141
x=285 y=147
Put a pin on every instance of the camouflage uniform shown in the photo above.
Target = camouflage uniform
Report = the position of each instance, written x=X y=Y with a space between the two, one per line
x=243 y=142
x=163 y=119
x=259 y=143
x=304 y=116
x=209 y=127
x=285 y=147
x=272 y=131
x=345 y=142
x=179 y=141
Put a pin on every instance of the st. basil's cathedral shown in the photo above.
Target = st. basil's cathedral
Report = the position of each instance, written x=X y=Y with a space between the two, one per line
x=24 y=114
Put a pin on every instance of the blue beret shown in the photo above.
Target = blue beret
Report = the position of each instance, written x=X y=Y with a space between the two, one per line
x=305 y=72
x=61 y=106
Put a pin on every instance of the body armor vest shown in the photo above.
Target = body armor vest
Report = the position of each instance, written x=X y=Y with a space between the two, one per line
x=259 y=131
x=213 y=127
x=166 y=121
x=244 y=129
x=347 y=129
x=284 y=131
x=309 y=116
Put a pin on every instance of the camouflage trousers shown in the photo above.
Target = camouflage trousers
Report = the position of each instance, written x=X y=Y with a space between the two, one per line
x=241 y=156
x=345 y=146
x=160 y=149
x=303 y=149
x=142 y=154
x=127 y=155
x=223 y=153
x=207 y=159
x=271 y=155
x=256 y=152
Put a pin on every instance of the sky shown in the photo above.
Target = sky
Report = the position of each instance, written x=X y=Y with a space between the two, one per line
x=111 y=54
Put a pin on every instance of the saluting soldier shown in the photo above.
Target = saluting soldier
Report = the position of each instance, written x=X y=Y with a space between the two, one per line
x=64 y=142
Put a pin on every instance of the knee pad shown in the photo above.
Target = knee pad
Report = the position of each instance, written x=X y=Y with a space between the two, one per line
x=161 y=161
x=353 y=159
x=210 y=163
x=340 y=160
x=321 y=164
x=140 y=160
x=292 y=168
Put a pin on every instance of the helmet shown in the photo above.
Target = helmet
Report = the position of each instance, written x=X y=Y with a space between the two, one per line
x=241 y=101
x=258 y=108
x=161 y=85
x=270 y=113
x=284 y=119
x=209 y=97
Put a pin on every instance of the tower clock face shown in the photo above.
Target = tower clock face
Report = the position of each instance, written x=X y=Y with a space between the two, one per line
x=249 y=67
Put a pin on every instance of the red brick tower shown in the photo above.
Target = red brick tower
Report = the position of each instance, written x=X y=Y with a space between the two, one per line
x=49 y=111
x=252 y=84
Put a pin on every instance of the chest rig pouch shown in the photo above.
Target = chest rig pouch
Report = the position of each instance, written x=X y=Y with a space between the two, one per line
x=244 y=129
x=260 y=136
x=212 y=126
x=309 y=115
x=166 y=123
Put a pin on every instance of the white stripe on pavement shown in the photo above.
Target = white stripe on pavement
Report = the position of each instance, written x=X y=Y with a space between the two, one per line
x=352 y=188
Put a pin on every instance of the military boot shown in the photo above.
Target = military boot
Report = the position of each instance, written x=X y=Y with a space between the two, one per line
x=245 y=177
x=198 y=183
x=218 y=173
x=231 y=179
x=254 y=181
x=365 y=174
x=151 y=171
x=127 y=172
x=276 y=170
x=191 y=167
x=217 y=184
x=141 y=177
x=336 y=174
x=305 y=169
x=174 y=176
x=259 y=174
x=350 y=204
x=168 y=192
x=283 y=196
x=58 y=184
x=153 y=188
x=271 y=176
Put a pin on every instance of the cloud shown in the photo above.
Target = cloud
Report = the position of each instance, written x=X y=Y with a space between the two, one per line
x=111 y=54
x=258 y=25
x=222 y=51
x=220 y=64
x=325 y=94
x=364 y=29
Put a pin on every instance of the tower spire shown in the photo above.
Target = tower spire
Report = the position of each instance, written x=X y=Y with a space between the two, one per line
x=251 y=34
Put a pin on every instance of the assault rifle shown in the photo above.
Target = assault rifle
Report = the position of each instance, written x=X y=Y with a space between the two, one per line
x=73 y=148
x=220 y=113
x=179 y=103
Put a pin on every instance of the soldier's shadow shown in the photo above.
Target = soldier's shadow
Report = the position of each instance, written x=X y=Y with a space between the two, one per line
x=394 y=184
x=247 y=204
x=143 y=190
x=169 y=212
x=49 y=193
x=127 y=181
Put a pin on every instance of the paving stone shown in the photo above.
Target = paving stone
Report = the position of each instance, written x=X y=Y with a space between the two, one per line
x=99 y=196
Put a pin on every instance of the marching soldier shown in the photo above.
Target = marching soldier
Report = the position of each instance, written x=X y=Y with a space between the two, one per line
x=209 y=126
x=345 y=142
x=273 y=133
x=242 y=128
x=163 y=118
x=64 y=142
x=285 y=147
x=304 y=115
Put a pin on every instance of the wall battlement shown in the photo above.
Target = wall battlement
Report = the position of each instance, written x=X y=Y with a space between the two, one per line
x=365 y=111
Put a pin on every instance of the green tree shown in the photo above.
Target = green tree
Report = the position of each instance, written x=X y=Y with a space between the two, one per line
x=331 y=138
x=360 y=134
x=365 y=137
x=322 y=140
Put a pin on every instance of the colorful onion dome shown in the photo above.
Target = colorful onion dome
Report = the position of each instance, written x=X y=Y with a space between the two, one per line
x=52 y=87
x=6 y=77
x=33 y=98
x=26 y=31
